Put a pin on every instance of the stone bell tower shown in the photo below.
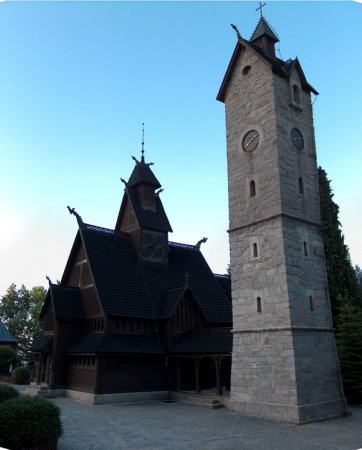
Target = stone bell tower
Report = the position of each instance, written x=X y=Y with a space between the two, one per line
x=285 y=365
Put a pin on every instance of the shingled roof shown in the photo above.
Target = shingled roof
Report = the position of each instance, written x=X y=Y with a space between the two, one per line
x=142 y=173
x=154 y=220
x=67 y=302
x=117 y=343
x=131 y=289
x=264 y=29
x=5 y=336
x=41 y=343
x=209 y=340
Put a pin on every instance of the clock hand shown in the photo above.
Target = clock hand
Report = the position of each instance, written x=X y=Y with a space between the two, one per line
x=251 y=140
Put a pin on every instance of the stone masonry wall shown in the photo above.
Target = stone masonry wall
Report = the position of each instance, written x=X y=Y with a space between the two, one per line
x=281 y=313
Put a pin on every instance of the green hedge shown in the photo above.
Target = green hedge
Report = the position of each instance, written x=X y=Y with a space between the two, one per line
x=21 y=375
x=27 y=422
x=7 y=392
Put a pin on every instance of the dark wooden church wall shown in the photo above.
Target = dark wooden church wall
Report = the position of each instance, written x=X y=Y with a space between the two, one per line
x=88 y=292
x=131 y=325
x=80 y=276
x=187 y=316
x=68 y=331
x=73 y=278
x=81 y=373
x=129 y=222
x=132 y=374
x=48 y=322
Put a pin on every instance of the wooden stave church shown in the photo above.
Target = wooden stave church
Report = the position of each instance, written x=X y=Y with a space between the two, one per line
x=135 y=312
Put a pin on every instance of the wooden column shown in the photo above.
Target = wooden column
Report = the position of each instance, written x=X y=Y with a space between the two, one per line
x=217 y=362
x=40 y=369
x=178 y=377
x=47 y=372
x=197 y=376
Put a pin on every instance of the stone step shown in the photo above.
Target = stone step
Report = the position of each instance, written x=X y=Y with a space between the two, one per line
x=38 y=390
x=208 y=401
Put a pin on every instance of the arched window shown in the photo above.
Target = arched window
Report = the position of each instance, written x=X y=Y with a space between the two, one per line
x=252 y=188
x=258 y=304
x=300 y=185
x=255 y=249
x=296 y=94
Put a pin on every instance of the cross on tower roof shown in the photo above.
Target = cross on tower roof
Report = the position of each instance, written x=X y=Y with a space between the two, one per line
x=261 y=5
x=143 y=143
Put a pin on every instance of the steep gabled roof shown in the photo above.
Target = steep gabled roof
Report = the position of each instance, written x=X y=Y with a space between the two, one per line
x=277 y=65
x=117 y=343
x=5 y=336
x=225 y=284
x=67 y=302
x=154 y=220
x=294 y=64
x=131 y=289
x=173 y=298
x=142 y=173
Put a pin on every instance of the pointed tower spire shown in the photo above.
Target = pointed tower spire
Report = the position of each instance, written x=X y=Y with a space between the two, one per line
x=264 y=36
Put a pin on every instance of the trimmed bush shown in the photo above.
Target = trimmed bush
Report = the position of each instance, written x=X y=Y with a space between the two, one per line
x=21 y=375
x=27 y=422
x=7 y=392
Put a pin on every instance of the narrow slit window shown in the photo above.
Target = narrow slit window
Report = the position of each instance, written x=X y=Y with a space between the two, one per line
x=258 y=304
x=311 y=303
x=255 y=249
x=305 y=247
x=300 y=185
x=296 y=94
x=252 y=188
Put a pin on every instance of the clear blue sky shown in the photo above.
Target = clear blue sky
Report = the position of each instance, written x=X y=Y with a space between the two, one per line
x=78 y=79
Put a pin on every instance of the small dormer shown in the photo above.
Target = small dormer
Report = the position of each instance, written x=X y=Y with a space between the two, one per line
x=142 y=214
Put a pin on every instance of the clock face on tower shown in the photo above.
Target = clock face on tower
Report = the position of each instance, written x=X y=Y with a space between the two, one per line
x=153 y=245
x=250 y=141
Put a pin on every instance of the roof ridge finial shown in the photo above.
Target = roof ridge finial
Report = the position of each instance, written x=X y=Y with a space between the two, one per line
x=143 y=144
x=261 y=6
x=74 y=212
x=201 y=241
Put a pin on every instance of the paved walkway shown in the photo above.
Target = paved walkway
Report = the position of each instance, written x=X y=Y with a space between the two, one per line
x=174 y=426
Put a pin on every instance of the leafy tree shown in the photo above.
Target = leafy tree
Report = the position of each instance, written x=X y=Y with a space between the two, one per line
x=19 y=311
x=349 y=344
x=342 y=280
x=7 y=356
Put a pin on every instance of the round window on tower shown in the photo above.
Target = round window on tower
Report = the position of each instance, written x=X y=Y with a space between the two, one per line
x=297 y=138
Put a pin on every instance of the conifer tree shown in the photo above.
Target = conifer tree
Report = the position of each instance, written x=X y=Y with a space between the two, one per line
x=342 y=279
x=349 y=345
